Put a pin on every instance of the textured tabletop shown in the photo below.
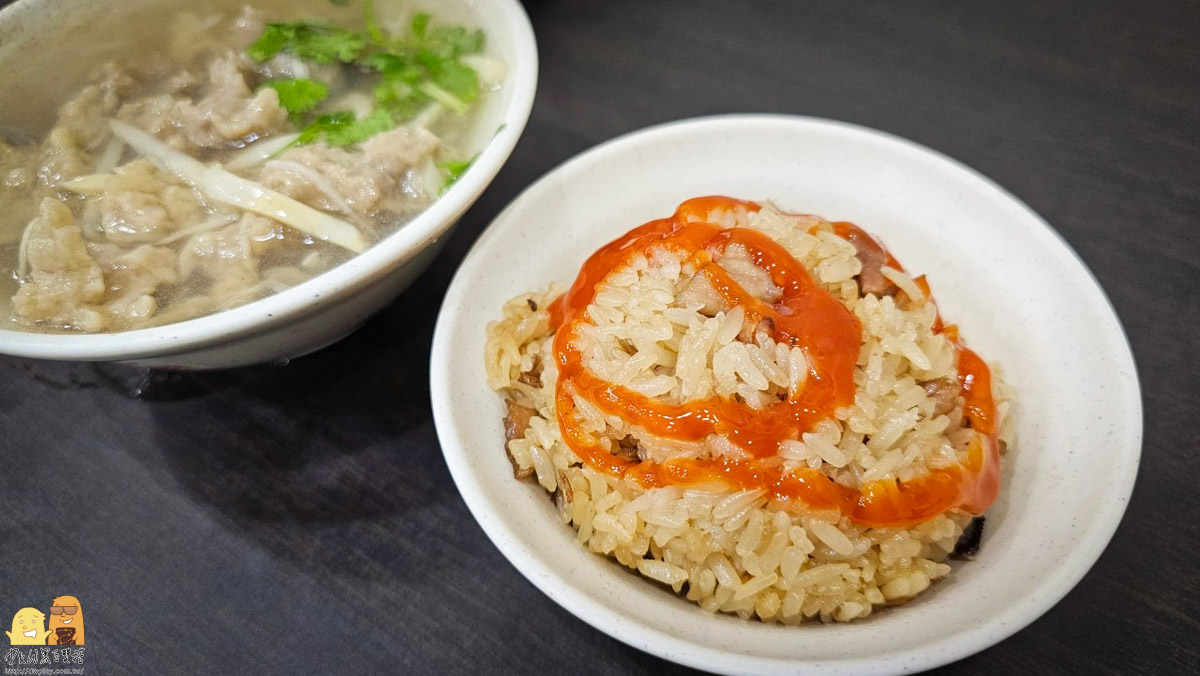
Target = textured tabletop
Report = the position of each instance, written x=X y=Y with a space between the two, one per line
x=299 y=519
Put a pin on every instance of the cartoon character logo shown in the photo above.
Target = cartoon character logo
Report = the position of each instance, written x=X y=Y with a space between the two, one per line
x=66 y=621
x=29 y=628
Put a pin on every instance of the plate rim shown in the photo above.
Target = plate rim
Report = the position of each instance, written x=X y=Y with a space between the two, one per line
x=649 y=639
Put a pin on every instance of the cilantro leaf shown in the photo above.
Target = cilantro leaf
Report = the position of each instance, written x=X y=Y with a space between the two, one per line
x=372 y=26
x=409 y=82
x=274 y=38
x=452 y=76
x=342 y=129
x=414 y=70
x=401 y=98
x=298 y=95
x=454 y=41
x=395 y=66
x=360 y=130
x=420 y=23
x=445 y=42
x=318 y=43
x=321 y=125
x=325 y=45
x=454 y=170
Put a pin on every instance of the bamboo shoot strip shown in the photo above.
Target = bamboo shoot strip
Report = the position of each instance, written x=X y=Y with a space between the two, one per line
x=260 y=151
x=219 y=185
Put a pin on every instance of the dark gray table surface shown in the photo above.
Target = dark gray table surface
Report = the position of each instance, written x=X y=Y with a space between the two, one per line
x=300 y=519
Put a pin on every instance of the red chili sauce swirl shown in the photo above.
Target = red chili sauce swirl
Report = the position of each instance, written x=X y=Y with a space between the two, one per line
x=805 y=316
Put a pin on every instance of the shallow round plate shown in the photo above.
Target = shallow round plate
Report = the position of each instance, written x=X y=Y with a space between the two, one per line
x=1020 y=295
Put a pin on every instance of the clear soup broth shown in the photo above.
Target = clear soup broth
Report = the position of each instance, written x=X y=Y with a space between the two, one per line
x=190 y=160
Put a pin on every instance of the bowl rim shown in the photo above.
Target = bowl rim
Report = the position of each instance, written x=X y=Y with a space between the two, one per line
x=989 y=631
x=331 y=286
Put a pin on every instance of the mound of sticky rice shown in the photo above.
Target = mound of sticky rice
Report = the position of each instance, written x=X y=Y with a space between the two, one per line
x=655 y=327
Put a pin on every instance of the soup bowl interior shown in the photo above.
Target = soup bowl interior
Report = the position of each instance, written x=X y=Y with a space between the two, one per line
x=41 y=75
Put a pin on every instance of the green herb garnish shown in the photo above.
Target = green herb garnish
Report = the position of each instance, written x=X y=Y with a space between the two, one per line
x=415 y=71
x=454 y=170
x=396 y=66
x=314 y=42
x=446 y=42
x=460 y=81
x=404 y=100
x=455 y=41
x=420 y=24
x=320 y=126
x=410 y=81
x=298 y=95
x=343 y=129
x=360 y=130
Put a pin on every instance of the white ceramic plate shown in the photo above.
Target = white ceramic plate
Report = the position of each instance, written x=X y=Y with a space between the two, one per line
x=1020 y=295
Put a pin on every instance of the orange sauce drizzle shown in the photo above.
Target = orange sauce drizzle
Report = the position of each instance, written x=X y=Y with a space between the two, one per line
x=806 y=316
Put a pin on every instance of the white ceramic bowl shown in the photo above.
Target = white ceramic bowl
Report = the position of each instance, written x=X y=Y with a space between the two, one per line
x=1020 y=295
x=323 y=309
